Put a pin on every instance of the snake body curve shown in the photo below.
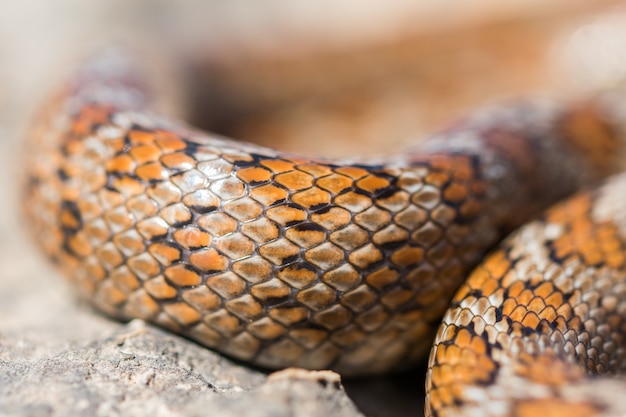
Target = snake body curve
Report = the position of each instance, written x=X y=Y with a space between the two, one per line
x=284 y=260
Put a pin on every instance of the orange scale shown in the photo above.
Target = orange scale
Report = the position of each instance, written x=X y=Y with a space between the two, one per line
x=463 y=338
x=208 y=260
x=277 y=165
x=592 y=256
x=264 y=230
x=407 y=256
x=316 y=170
x=490 y=287
x=303 y=237
x=170 y=142
x=235 y=246
x=145 y=153
x=536 y=304
x=352 y=172
x=141 y=136
x=269 y=194
x=175 y=214
x=455 y=193
x=128 y=187
x=518 y=313
x=462 y=171
x=289 y=315
x=396 y=298
x=152 y=171
x=373 y=219
x=181 y=276
x=372 y=183
x=549 y=313
x=313 y=197
x=438 y=179
x=217 y=223
x=294 y=180
x=278 y=251
x=284 y=214
x=531 y=320
x=178 y=160
x=274 y=289
x=471 y=209
x=254 y=175
x=182 y=313
x=228 y=285
x=334 y=183
x=160 y=289
x=615 y=260
x=365 y=256
x=121 y=164
x=165 y=254
x=144 y=266
x=245 y=307
x=497 y=264
x=192 y=237
x=350 y=237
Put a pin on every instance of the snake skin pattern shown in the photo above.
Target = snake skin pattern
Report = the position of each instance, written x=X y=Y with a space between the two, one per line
x=284 y=260
x=542 y=315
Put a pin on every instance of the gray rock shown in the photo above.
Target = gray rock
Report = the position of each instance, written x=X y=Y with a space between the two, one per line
x=142 y=371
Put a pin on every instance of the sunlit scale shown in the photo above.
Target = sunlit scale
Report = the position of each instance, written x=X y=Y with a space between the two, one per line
x=283 y=260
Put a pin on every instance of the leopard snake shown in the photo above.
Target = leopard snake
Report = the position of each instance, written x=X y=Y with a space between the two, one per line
x=280 y=260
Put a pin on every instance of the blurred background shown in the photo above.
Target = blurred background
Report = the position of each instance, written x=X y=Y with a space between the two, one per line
x=326 y=77
x=302 y=75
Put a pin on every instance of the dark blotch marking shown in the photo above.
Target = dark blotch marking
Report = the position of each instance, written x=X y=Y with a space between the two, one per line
x=289 y=259
x=309 y=227
x=71 y=208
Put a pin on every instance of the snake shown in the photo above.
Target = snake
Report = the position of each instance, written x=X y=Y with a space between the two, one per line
x=359 y=265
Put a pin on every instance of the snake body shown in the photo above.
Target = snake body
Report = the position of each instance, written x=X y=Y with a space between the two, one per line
x=285 y=260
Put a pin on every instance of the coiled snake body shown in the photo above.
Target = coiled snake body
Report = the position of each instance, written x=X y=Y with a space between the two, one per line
x=283 y=260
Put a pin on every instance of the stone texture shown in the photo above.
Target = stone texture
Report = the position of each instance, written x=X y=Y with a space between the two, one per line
x=142 y=371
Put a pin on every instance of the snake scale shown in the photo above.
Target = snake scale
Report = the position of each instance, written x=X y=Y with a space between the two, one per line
x=284 y=260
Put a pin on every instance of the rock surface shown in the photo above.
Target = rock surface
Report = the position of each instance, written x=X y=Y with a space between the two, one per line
x=141 y=371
